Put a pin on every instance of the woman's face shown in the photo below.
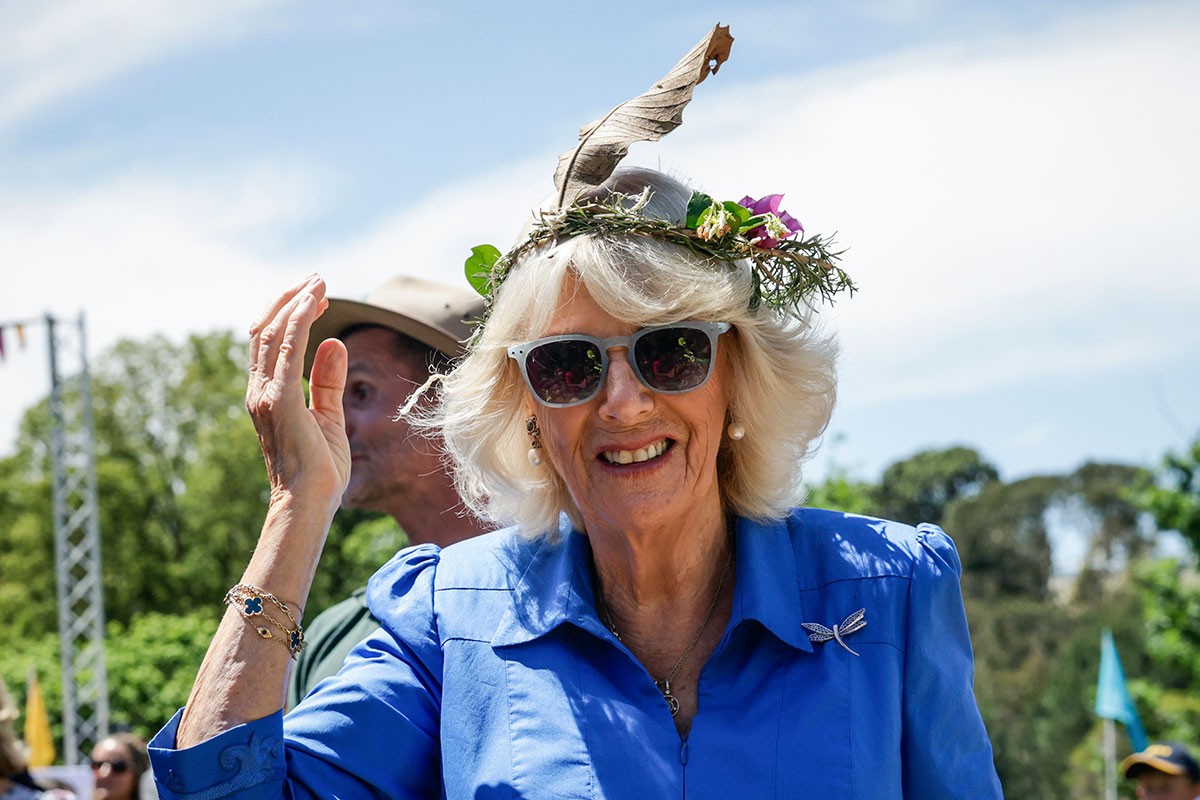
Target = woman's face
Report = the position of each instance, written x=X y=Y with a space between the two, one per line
x=678 y=434
x=114 y=770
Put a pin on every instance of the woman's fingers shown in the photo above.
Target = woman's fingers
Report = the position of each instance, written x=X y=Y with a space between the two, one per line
x=266 y=335
x=288 y=434
x=295 y=321
x=279 y=302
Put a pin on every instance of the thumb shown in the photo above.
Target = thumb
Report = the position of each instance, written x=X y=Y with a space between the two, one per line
x=327 y=381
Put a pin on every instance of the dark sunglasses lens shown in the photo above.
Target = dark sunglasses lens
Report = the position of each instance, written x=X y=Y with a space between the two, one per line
x=115 y=766
x=674 y=359
x=566 y=371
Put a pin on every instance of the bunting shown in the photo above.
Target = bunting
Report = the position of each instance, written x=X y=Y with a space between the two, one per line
x=19 y=327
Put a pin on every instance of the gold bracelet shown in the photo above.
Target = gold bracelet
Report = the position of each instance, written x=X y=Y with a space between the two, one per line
x=248 y=600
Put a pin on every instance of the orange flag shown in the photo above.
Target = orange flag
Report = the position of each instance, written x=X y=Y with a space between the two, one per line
x=37 y=725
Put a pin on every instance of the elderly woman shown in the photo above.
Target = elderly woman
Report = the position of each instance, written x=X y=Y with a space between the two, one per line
x=658 y=620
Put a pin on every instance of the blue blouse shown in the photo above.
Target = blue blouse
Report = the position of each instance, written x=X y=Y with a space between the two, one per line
x=492 y=676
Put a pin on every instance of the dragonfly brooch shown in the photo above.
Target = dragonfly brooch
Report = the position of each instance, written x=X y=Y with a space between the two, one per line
x=819 y=633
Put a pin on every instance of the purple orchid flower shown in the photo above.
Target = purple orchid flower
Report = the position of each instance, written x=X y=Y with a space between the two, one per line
x=782 y=226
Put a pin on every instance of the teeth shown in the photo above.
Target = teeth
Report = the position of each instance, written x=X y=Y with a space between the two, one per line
x=633 y=456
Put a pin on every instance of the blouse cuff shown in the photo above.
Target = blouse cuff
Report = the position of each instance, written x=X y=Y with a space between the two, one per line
x=240 y=762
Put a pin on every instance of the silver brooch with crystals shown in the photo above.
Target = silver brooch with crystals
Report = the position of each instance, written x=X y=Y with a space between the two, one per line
x=819 y=633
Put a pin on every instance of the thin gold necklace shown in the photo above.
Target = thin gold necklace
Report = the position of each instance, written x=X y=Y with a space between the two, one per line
x=664 y=685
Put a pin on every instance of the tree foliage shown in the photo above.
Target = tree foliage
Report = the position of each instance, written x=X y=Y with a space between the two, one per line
x=1002 y=538
x=1173 y=496
x=921 y=488
x=842 y=492
x=151 y=664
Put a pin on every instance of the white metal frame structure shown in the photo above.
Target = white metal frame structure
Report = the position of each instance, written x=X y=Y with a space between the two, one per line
x=77 y=542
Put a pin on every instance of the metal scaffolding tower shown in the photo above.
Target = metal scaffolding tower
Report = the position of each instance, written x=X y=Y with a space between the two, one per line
x=77 y=542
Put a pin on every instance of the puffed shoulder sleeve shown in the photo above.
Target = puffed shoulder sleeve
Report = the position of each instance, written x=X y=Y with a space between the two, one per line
x=369 y=731
x=946 y=749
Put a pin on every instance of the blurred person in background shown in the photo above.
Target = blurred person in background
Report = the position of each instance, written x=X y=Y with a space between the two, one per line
x=15 y=782
x=1164 y=771
x=118 y=763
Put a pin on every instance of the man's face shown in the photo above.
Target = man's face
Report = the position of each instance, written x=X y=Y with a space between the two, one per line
x=1155 y=785
x=386 y=456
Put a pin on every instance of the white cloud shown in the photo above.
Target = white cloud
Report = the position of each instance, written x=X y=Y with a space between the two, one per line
x=1015 y=209
x=54 y=50
x=143 y=254
x=433 y=235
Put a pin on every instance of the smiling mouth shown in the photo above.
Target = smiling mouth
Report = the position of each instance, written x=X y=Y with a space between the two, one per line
x=650 y=451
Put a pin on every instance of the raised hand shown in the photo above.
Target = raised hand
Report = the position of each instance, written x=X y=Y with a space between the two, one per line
x=304 y=446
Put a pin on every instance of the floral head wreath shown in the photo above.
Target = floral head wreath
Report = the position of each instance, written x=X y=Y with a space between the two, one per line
x=789 y=269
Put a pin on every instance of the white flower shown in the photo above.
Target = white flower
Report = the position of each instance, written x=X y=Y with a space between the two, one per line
x=717 y=223
x=775 y=227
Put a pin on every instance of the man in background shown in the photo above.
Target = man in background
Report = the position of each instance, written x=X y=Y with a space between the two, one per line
x=1164 y=771
x=405 y=329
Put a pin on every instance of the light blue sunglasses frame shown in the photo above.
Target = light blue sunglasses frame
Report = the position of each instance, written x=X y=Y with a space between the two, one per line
x=521 y=352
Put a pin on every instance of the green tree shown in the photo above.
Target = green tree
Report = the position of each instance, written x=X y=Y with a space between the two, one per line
x=1002 y=536
x=1154 y=610
x=841 y=492
x=151 y=664
x=172 y=442
x=1106 y=495
x=27 y=587
x=1173 y=495
x=1171 y=621
x=921 y=488
x=1033 y=640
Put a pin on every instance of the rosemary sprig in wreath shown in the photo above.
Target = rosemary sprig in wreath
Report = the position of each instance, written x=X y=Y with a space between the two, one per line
x=789 y=272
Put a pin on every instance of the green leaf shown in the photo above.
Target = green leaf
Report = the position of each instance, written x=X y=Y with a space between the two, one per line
x=739 y=212
x=751 y=223
x=699 y=204
x=479 y=267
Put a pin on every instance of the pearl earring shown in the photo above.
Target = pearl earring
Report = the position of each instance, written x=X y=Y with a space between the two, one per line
x=535 y=441
x=736 y=431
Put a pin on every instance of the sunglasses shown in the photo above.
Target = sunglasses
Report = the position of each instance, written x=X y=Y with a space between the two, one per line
x=115 y=766
x=567 y=370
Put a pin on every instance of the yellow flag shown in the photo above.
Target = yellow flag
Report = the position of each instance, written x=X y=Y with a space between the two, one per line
x=37 y=725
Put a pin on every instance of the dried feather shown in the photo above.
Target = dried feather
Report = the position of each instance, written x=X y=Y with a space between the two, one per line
x=645 y=118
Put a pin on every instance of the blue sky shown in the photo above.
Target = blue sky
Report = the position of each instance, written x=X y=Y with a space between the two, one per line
x=1016 y=182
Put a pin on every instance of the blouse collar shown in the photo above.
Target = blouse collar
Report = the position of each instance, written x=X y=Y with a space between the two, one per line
x=553 y=585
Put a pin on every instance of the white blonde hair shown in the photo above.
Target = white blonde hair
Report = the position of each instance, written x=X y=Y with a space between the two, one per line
x=783 y=369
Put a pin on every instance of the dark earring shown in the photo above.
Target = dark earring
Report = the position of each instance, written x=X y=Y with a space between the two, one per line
x=535 y=441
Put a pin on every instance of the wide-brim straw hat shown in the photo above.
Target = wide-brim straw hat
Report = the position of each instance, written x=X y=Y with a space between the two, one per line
x=434 y=314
